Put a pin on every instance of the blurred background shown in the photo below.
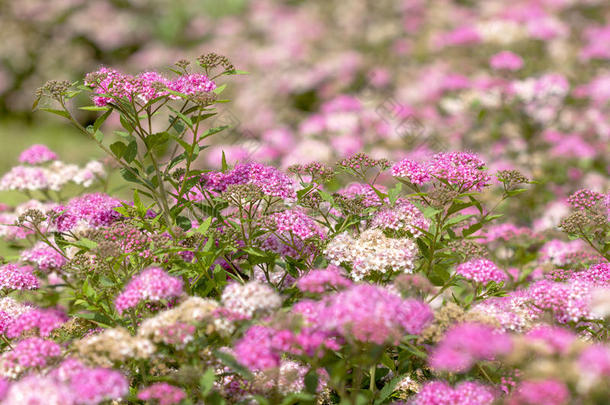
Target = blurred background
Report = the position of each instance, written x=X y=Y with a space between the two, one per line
x=394 y=78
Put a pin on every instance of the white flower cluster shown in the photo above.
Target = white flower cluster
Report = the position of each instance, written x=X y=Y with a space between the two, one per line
x=191 y=311
x=372 y=252
x=114 y=345
x=13 y=308
x=250 y=298
x=51 y=177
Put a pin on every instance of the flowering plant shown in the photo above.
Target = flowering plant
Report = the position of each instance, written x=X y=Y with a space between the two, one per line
x=369 y=281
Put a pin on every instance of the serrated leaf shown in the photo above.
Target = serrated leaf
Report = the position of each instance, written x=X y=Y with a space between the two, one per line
x=118 y=148
x=131 y=151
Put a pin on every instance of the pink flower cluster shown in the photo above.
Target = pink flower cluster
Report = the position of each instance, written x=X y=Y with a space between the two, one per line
x=17 y=277
x=416 y=172
x=584 y=199
x=481 y=271
x=466 y=344
x=153 y=284
x=44 y=256
x=555 y=338
x=71 y=383
x=594 y=361
x=403 y=216
x=164 y=393
x=37 y=154
x=465 y=393
x=463 y=170
x=506 y=232
x=295 y=222
x=565 y=301
x=111 y=85
x=32 y=352
x=506 y=60
x=542 y=392
x=89 y=211
x=91 y=386
x=44 y=320
x=363 y=191
x=366 y=313
x=268 y=179
x=262 y=347
x=318 y=281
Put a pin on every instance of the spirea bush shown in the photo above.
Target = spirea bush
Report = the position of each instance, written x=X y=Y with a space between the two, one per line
x=363 y=282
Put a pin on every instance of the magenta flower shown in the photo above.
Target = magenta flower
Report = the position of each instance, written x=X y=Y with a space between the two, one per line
x=481 y=271
x=32 y=352
x=89 y=211
x=415 y=172
x=164 y=393
x=15 y=277
x=153 y=284
x=44 y=320
x=543 y=392
x=37 y=154
x=318 y=281
x=467 y=343
x=465 y=393
x=506 y=60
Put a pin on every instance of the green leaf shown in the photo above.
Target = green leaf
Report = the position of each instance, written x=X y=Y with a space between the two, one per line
x=225 y=166
x=118 y=148
x=126 y=124
x=61 y=113
x=88 y=290
x=94 y=108
x=183 y=117
x=137 y=202
x=311 y=382
x=206 y=382
x=85 y=243
x=131 y=152
x=512 y=193
x=238 y=72
x=458 y=206
x=220 y=89
x=184 y=222
x=156 y=140
x=213 y=131
x=97 y=318
x=456 y=220
x=35 y=104
x=388 y=389
x=387 y=361
x=98 y=135
x=394 y=193
x=230 y=362
x=492 y=217
x=472 y=229
x=130 y=175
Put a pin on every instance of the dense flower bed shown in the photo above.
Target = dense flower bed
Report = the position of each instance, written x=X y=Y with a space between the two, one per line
x=364 y=281
x=408 y=202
